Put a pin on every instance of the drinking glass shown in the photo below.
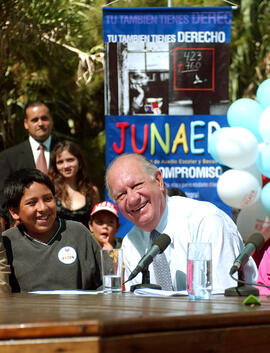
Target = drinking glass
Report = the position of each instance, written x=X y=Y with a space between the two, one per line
x=112 y=270
x=199 y=270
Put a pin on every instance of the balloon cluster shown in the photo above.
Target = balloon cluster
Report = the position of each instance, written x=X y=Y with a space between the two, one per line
x=244 y=147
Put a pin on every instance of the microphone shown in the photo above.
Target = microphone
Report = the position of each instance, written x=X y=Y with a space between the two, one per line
x=253 y=244
x=158 y=246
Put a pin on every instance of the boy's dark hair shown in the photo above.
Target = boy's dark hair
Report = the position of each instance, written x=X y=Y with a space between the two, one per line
x=21 y=179
x=91 y=219
x=176 y=192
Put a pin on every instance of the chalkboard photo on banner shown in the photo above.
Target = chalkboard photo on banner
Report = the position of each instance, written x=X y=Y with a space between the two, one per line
x=191 y=69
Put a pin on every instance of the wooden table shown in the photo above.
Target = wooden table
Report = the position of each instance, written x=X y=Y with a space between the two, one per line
x=128 y=323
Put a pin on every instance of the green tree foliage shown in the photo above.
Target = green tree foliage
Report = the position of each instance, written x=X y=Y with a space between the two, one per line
x=53 y=50
x=250 y=56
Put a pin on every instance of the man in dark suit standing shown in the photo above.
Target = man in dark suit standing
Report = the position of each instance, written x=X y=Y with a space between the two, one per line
x=39 y=123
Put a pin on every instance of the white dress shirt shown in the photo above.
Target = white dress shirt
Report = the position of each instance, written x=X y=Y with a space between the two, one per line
x=35 y=148
x=187 y=220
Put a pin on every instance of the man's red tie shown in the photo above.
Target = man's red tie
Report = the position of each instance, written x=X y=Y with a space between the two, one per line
x=41 y=163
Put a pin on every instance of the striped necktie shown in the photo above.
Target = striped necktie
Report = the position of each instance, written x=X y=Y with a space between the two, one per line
x=41 y=163
x=161 y=267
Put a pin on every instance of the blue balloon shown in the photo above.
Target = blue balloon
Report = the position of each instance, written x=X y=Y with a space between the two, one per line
x=246 y=112
x=265 y=197
x=212 y=143
x=263 y=93
x=263 y=159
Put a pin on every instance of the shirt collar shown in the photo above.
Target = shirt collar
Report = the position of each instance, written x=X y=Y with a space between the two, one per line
x=164 y=219
x=50 y=241
x=163 y=226
x=35 y=144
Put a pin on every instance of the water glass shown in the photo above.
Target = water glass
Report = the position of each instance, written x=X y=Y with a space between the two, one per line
x=199 y=270
x=112 y=270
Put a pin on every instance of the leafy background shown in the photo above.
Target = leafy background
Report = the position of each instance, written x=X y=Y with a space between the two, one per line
x=53 y=51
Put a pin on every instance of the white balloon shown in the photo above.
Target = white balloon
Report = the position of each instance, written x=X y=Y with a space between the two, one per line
x=264 y=124
x=237 y=147
x=263 y=159
x=238 y=188
x=254 y=219
x=255 y=171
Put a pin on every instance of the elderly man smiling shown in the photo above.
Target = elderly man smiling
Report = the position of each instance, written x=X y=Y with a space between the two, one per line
x=137 y=187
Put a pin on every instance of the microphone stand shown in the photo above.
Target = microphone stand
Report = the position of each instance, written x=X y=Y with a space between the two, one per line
x=241 y=290
x=145 y=282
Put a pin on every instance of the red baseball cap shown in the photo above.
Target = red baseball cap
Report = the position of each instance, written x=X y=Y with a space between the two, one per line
x=105 y=206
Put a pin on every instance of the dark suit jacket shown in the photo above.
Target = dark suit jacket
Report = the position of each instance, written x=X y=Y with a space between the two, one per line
x=12 y=159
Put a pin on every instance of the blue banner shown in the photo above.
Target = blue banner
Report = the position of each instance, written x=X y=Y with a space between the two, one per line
x=174 y=24
x=166 y=91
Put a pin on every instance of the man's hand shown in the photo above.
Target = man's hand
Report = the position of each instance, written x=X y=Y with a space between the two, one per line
x=107 y=246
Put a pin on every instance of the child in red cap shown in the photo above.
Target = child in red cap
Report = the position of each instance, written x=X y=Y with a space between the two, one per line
x=104 y=224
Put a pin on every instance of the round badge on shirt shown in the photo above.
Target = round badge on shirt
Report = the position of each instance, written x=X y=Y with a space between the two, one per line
x=67 y=255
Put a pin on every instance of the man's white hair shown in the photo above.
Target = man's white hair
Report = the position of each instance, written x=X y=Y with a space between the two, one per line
x=148 y=166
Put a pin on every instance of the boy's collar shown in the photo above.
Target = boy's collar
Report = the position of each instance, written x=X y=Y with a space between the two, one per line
x=50 y=241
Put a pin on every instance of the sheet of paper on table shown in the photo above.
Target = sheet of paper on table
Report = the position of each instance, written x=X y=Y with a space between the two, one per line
x=165 y=293
x=67 y=292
